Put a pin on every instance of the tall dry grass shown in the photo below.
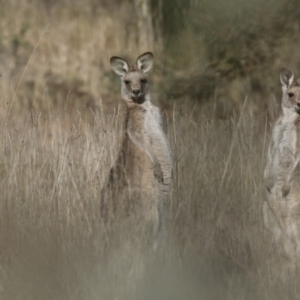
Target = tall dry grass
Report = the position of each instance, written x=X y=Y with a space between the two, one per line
x=52 y=242
x=55 y=71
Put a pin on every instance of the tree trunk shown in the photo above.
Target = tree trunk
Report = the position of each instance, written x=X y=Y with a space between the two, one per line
x=145 y=26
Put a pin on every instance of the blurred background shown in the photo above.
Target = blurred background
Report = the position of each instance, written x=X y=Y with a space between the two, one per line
x=216 y=77
x=55 y=54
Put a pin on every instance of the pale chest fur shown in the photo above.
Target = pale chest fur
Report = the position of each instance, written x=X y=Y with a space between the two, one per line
x=286 y=138
x=284 y=149
x=158 y=142
x=147 y=124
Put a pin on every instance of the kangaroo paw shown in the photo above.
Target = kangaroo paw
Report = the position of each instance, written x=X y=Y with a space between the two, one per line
x=285 y=190
x=158 y=174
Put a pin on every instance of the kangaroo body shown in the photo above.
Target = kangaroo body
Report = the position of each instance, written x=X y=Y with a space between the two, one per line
x=282 y=174
x=139 y=182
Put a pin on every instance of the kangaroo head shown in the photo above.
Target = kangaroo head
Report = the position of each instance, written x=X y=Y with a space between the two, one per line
x=290 y=90
x=134 y=81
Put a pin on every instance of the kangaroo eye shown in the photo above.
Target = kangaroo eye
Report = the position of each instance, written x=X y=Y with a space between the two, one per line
x=126 y=82
x=144 y=80
x=290 y=95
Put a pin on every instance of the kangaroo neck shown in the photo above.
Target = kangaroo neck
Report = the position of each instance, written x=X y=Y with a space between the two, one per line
x=290 y=115
x=131 y=106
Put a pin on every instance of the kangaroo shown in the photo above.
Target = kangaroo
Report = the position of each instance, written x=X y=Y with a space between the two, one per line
x=281 y=211
x=139 y=182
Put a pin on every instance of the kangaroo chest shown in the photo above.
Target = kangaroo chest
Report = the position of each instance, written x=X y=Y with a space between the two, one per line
x=146 y=127
x=286 y=138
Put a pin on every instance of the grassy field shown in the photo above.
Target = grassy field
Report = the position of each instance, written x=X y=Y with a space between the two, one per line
x=61 y=128
x=52 y=242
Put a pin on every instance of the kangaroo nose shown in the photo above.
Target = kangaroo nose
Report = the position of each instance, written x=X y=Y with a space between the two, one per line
x=136 y=92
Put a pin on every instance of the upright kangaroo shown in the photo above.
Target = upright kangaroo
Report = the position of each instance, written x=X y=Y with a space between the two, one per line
x=139 y=182
x=282 y=209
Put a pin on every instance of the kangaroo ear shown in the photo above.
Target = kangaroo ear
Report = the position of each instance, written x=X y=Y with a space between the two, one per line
x=286 y=77
x=145 y=62
x=119 y=65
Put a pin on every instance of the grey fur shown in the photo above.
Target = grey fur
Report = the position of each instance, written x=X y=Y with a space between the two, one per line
x=282 y=209
x=139 y=182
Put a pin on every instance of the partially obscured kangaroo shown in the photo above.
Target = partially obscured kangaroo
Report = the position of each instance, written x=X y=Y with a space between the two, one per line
x=139 y=182
x=282 y=208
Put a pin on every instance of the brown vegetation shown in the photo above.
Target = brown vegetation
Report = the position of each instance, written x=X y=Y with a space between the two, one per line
x=53 y=245
x=60 y=135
